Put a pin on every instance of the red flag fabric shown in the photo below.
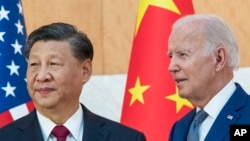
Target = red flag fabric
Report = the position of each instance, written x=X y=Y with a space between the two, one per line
x=151 y=102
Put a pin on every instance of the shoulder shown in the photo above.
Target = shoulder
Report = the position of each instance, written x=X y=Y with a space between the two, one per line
x=180 y=128
x=116 y=129
x=17 y=126
x=18 y=123
x=240 y=97
x=240 y=89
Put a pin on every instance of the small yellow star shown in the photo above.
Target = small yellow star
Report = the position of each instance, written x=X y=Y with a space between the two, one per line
x=143 y=5
x=180 y=102
x=137 y=92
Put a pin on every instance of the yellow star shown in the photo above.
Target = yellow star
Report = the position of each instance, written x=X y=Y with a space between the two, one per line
x=180 y=102
x=137 y=92
x=143 y=5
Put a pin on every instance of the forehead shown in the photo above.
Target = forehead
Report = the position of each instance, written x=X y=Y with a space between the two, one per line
x=184 y=38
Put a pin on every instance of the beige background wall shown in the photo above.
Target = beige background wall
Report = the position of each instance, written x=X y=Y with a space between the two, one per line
x=110 y=25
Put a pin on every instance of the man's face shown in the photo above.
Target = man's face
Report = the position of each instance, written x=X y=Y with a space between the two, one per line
x=192 y=69
x=54 y=76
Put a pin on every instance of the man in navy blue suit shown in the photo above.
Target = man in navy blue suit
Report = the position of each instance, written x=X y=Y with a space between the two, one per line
x=59 y=64
x=203 y=55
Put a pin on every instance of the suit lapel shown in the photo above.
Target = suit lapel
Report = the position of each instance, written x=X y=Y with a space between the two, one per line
x=182 y=127
x=93 y=129
x=227 y=116
x=30 y=129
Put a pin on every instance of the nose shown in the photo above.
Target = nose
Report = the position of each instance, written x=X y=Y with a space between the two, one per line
x=43 y=75
x=173 y=65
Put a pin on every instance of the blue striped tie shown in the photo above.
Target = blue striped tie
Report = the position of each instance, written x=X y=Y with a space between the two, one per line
x=193 y=134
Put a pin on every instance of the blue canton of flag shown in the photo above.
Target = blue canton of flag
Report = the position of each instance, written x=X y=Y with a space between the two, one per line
x=14 y=99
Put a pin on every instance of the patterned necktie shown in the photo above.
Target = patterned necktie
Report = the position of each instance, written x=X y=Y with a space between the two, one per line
x=193 y=134
x=60 y=132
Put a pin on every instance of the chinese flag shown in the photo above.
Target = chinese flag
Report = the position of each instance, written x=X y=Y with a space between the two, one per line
x=151 y=103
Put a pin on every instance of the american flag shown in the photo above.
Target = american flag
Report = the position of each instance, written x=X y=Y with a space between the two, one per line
x=14 y=99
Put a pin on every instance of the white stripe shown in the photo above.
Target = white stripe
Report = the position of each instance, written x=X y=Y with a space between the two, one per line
x=19 y=111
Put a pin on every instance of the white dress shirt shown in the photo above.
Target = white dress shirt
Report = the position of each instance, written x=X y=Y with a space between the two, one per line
x=214 y=107
x=74 y=125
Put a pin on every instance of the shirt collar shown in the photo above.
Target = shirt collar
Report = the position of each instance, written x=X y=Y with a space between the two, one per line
x=219 y=100
x=74 y=124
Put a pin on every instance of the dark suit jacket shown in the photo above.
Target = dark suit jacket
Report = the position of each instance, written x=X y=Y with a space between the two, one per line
x=96 y=128
x=237 y=107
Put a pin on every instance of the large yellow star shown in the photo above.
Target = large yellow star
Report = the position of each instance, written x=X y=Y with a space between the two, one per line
x=143 y=5
x=180 y=102
x=137 y=92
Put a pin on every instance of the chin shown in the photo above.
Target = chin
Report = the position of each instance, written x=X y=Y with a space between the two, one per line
x=45 y=104
x=183 y=95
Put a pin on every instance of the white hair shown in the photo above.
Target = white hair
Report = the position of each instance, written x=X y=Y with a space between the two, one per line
x=215 y=32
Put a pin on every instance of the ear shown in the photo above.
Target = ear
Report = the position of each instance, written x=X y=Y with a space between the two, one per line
x=220 y=55
x=87 y=70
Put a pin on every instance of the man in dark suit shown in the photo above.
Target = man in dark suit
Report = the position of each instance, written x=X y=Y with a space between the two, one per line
x=203 y=55
x=59 y=64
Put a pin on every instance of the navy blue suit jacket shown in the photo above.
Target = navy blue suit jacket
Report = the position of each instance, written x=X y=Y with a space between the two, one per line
x=235 y=111
x=96 y=128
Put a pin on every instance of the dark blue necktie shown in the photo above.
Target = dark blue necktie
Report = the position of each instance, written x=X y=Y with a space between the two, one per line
x=193 y=134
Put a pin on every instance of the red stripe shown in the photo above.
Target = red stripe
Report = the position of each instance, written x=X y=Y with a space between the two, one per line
x=30 y=106
x=5 y=118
